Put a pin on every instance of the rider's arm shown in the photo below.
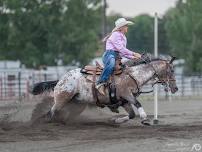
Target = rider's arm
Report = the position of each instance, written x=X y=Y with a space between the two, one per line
x=118 y=42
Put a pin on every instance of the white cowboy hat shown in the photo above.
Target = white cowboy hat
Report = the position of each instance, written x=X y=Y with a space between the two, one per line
x=120 y=23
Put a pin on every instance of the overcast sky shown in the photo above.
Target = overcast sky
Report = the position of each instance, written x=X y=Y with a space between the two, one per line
x=133 y=8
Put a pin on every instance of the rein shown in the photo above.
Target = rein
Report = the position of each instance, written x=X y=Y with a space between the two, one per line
x=163 y=81
x=138 y=88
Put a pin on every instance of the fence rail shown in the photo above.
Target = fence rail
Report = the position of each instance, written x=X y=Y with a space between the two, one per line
x=14 y=85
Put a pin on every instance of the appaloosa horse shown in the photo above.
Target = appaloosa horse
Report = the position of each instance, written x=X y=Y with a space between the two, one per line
x=75 y=86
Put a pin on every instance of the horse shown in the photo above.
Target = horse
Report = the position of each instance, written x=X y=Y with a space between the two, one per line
x=74 y=86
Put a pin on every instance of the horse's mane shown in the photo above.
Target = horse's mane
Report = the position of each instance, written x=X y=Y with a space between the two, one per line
x=145 y=59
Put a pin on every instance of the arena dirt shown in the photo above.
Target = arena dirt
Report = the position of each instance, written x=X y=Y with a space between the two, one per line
x=24 y=129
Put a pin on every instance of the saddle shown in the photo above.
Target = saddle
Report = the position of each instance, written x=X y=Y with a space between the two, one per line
x=91 y=72
x=97 y=69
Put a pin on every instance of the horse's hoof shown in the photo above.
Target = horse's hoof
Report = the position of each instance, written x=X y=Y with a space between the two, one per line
x=112 y=121
x=146 y=122
x=118 y=121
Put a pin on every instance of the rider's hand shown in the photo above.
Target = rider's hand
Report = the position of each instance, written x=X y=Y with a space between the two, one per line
x=136 y=55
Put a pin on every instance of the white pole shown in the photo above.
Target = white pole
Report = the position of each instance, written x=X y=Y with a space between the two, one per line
x=156 y=55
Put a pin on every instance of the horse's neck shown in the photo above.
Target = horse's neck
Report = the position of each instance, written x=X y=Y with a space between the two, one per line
x=144 y=73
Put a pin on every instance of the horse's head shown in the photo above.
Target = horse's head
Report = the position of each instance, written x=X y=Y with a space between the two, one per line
x=167 y=76
x=163 y=69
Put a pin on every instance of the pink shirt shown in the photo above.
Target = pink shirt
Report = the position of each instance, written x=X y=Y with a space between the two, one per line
x=117 y=41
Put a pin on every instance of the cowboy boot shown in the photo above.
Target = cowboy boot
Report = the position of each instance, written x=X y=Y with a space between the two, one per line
x=101 y=88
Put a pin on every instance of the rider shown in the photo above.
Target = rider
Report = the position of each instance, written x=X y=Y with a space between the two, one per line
x=115 y=46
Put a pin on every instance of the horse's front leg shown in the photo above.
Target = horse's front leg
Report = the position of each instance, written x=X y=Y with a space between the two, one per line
x=135 y=103
x=128 y=108
x=142 y=113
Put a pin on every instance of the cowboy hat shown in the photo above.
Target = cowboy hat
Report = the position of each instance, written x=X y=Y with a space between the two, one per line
x=120 y=23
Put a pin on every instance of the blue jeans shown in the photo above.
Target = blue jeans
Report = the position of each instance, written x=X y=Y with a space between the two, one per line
x=109 y=60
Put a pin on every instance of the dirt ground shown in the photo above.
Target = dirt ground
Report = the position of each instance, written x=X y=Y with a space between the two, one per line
x=179 y=129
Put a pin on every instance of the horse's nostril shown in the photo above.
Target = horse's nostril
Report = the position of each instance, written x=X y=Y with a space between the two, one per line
x=176 y=88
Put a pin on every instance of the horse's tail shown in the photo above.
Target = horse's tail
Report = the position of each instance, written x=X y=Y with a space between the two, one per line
x=40 y=87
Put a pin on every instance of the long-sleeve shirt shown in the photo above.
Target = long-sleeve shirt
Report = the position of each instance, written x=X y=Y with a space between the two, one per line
x=117 y=42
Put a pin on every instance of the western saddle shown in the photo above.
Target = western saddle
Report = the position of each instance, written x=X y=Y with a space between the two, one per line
x=96 y=70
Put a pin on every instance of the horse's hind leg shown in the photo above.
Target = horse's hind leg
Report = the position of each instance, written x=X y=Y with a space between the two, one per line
x=60 y=99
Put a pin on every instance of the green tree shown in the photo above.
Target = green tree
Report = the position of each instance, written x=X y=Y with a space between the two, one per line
x=40 y=32
x=184 y=31
x=111 y=21
x=140 y=35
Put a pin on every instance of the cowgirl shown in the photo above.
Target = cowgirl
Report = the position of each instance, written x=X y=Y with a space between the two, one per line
x=115 y=46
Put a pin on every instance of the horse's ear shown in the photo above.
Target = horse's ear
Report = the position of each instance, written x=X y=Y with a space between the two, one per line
x=173 y=58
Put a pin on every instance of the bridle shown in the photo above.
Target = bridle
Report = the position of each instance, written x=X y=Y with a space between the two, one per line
x=164 y=81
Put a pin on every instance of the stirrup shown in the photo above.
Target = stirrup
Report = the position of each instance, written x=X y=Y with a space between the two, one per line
x=100 y=88
x=99 y=85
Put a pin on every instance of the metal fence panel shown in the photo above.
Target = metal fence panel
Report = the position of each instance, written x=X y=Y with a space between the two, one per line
x=14 y=85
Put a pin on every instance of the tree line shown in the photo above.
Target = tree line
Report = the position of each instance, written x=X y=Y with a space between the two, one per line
x=48 y=32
